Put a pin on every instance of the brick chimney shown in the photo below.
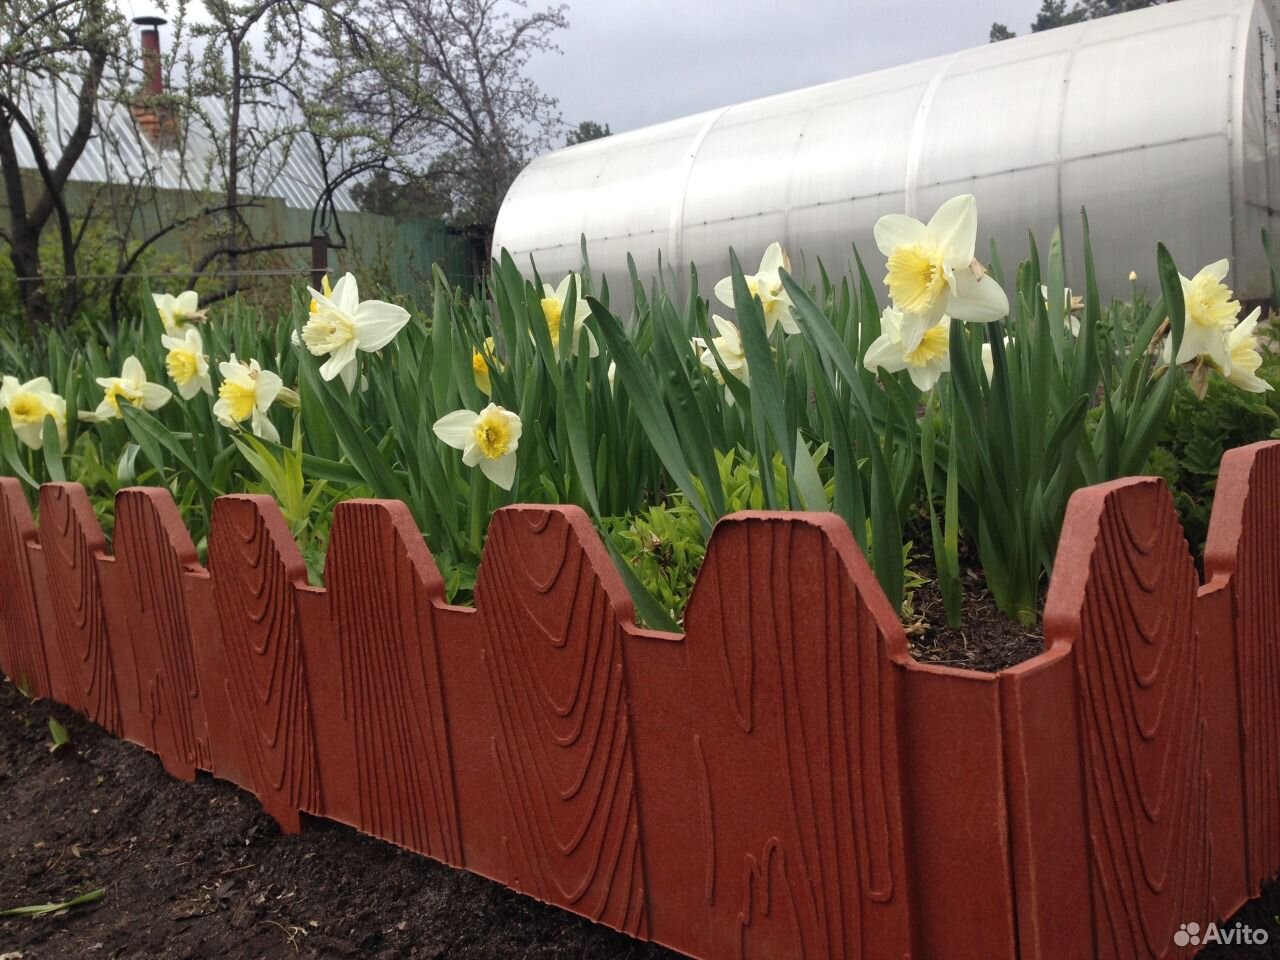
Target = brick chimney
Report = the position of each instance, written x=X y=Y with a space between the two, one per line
x=154 y=119
x=152 y=80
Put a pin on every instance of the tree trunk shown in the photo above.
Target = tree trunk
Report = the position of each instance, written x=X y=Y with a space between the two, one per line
x=36 y=309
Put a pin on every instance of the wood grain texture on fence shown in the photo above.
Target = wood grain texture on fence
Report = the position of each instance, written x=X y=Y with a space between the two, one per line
x=782 y=780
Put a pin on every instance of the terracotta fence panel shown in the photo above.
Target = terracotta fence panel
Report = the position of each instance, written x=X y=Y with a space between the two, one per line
x=1122 y=607
x=23 y=657
x=793 y=708
x=550 y=602
x=71 y=539
x=783 y=780
x=256 y=566
x=1242 y=554
x=153 y=644
x=376 y=686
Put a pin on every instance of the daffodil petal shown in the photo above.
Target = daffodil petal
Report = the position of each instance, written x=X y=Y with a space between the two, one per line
x=349 y=374
x=269 y=386
x=1217 y=271
x=891 y=322
x=724 y=291
x=926 y=377
x=32 y=434
x=885 y=353
x=456 y=429
x=501 y=471
x=132 y=370
x=977 y=300
x=154 y=396
x=339 y=359
x=895 y=230
x=727 y=330
x=1198 y=341
x=346 y=295
x=784 y=316
x=230 y=368
x=772 y=261
x=514 y=428
x=263 y=427
x=1249 y=382
x=377 y=322
x=912 y=329
x=954 y=229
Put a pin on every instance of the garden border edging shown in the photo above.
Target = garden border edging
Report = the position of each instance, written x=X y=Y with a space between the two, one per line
x=781 y=780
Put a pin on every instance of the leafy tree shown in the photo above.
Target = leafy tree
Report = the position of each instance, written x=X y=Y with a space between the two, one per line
x=413 y=198
x=457 y=66
x=1055 y=13
x=587 y=130
x=281 y=71
x=69 y=46
x=255 y=80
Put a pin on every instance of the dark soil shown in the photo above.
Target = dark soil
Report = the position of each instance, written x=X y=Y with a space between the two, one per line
x=198 y=870
x=985 y=640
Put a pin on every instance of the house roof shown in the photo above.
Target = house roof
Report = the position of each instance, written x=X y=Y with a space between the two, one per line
x=120 y=152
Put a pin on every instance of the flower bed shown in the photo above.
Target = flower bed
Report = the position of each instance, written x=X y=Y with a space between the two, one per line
x=783 y=777
x=781 y=780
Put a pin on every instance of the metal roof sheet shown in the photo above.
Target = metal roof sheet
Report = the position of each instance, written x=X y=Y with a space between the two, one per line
x=119 y=152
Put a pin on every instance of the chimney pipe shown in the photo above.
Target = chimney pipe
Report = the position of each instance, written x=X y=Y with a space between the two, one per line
x=152 y=78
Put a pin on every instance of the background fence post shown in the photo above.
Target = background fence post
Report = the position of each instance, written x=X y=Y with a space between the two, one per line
x=319 y=258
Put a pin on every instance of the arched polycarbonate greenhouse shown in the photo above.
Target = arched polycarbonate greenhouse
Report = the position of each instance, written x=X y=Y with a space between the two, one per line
x=1164 y=123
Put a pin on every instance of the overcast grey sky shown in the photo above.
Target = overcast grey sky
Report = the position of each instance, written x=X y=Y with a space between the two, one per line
x=630 y=63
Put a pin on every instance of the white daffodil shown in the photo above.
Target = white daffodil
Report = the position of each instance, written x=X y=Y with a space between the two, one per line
x=246 y=393
x=925 y=362
x=612 y=376
x=28 y=405
x=1242 y=344
x=327 y=290
x=553 y=304
x=340 y=324
x=932 y=271
x=766 y=284
x=187 y=364
x=131 y=386
x=1070 y=307
x=177 y=312
x=732 y=355
x=487 y=439
x=1210 y=316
